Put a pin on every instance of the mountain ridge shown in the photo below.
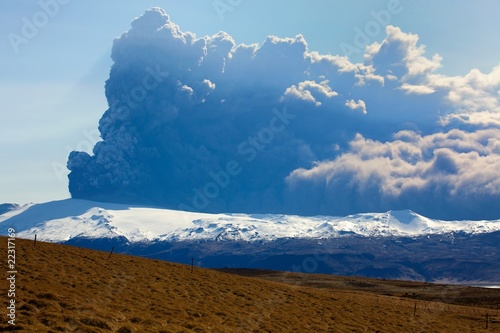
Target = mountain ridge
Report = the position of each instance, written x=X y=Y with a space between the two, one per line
x=60 y=221
x=399 y=245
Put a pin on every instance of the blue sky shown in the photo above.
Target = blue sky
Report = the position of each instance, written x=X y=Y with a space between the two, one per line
x=52 y=89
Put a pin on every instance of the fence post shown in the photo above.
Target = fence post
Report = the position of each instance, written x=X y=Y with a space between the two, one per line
x=111 y=252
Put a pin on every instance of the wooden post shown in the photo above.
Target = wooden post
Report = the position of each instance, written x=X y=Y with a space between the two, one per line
x=192 y=265
x=111 y=252
x=35 y=240
x=487 y=320
x=415 y=310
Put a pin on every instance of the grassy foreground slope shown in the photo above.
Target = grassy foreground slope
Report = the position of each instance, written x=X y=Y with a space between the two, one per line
x=67 y=289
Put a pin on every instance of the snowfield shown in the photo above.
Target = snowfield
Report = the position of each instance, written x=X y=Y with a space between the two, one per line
x=60 y=221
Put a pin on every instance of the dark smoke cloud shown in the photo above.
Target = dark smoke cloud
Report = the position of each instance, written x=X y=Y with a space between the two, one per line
x=206 y=124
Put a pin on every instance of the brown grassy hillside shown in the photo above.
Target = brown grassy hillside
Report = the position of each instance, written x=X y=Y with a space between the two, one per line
x=67 y=289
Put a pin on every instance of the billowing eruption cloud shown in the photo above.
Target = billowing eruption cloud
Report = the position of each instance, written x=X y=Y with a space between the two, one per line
x=207 y=124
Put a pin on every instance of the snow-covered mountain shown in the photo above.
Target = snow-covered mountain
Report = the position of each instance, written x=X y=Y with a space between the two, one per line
x=394 y=245
x=61 y=221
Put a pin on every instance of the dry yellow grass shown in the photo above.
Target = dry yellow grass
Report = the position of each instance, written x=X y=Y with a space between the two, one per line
x=67 y=289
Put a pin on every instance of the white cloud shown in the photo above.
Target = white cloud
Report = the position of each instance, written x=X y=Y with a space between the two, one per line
x=359 y=105
x=475 y=92
x=417 y=89
x=452 y=174
x=307 y=90
x=400 y=52
x=363 y=73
